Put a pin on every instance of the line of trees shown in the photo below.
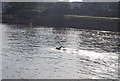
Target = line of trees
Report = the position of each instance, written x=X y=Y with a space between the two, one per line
x=30 y=10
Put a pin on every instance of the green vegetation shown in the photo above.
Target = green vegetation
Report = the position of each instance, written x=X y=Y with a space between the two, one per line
x=94 y=17
x=38 y=10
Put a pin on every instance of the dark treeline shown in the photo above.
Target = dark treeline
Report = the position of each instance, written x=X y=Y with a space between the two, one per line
x=31 y=9
x=107 y=9
x=52 y=14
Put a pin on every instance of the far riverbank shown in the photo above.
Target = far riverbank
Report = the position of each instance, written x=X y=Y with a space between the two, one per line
x=74 y=21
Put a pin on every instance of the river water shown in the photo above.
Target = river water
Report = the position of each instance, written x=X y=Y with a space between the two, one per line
x=29 y=53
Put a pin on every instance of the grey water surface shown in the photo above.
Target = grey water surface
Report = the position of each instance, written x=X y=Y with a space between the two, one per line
x=29 y=53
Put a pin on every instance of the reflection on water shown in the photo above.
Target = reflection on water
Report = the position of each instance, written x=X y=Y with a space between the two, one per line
x=29 y=53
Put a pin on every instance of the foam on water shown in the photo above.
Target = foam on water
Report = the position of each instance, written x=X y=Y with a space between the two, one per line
x=91 y=54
